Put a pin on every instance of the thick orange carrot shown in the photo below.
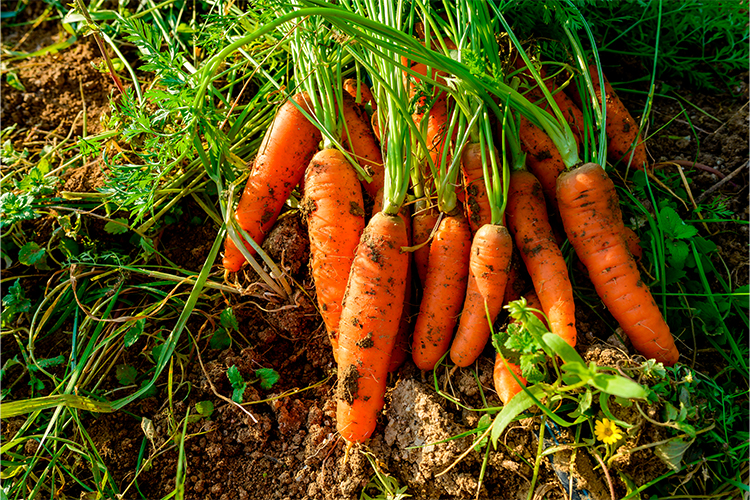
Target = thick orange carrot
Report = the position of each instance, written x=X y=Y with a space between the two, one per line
x=622 y=130
x=351 y=86
x=361 y=141
x=633 y=243
x=527 y=220
x=517 y=279
x=444 y=291
x=424 y=221
x=488 y=273
x=289 y=144
x=505 y=385
x=478 y=209
x=335 y=221
x=590 y=211
x=369 y=324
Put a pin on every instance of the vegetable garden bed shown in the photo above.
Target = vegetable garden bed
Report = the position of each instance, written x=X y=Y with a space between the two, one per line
x=134 y=366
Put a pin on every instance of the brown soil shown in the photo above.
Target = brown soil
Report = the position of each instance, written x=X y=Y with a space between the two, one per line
x=285 y=445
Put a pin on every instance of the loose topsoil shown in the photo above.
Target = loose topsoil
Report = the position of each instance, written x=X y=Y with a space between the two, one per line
x=285 y=445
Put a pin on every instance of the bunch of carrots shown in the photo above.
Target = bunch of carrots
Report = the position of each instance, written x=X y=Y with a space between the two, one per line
x=474 y=188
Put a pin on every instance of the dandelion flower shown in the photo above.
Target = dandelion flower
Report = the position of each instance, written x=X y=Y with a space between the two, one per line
x=607 y=431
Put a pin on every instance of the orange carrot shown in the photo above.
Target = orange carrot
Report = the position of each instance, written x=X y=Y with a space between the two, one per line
x=543 y=160
x=402 y=345
x=527 y=220
x=633 y=243
x=517 y=280
x=369 y=324
x=444 y=291
x=424 y=221
x=622 y=130
x=478 y=209
x=488 y=273
x=352 y=87
x=335 y=220
x=362 y=143
x=505 y=385
x=590 y=211
x=287 y=148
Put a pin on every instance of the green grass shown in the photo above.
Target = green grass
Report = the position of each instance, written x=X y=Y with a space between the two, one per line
x=95 y=317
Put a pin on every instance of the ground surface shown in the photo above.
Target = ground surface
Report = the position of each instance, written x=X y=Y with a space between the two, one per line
x=287 y=447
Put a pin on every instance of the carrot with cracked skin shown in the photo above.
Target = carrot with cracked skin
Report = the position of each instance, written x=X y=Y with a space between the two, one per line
x=590 y=211
x=361 y=141
x=505 y=384
x=286 y=149
x=444 y=290
x=527 y=220
x=335 y=220
x=369 y=325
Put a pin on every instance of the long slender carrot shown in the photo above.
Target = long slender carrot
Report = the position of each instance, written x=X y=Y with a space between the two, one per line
x=444 y=291
x=622 y=131
x=478 y=209
x=369 y=325
x=285 y=151
x=505 y=385
x=527 y=220
x=590 y=211
x=489 y=261
x=361 y=141
x=402 y=344
x=424 y=221
x=335 y=220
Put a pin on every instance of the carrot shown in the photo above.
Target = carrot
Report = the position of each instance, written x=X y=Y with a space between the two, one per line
x=369 y=324
x=285 y=151
x=527 y=220
x=424 y=221
x=361 y=141
x=517 y=280
x=489 y=262
x=543 y=159
x=622 y=131
x=402 y=344
x=444 y=291
x=360 y=92
x=477 y=203
x=505 y=385
x=590 y=211
x=335 y=220
x=633 y=243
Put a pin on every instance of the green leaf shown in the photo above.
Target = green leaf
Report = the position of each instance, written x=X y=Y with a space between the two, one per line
x=134 y=332
x=50 y=362
x=15 y=208
x=679 y=251
x=672 y=451
x=520 y=403
x=562 y=348
x=117 y=226
x=228 y=320
x=15 y=300
x=672 y=225
x=220 y=339
x=268 y=377
x=204 y=408
x=618 y=386
x=31 y=253
x=584 y=403
x=238 y=383
x=12 y=79
x=125 y=374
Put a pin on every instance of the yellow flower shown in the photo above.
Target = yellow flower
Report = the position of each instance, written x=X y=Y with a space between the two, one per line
x=607 y=431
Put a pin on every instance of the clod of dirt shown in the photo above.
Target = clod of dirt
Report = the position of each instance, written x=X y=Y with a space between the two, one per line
x=416 y=420
x=287 y=244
